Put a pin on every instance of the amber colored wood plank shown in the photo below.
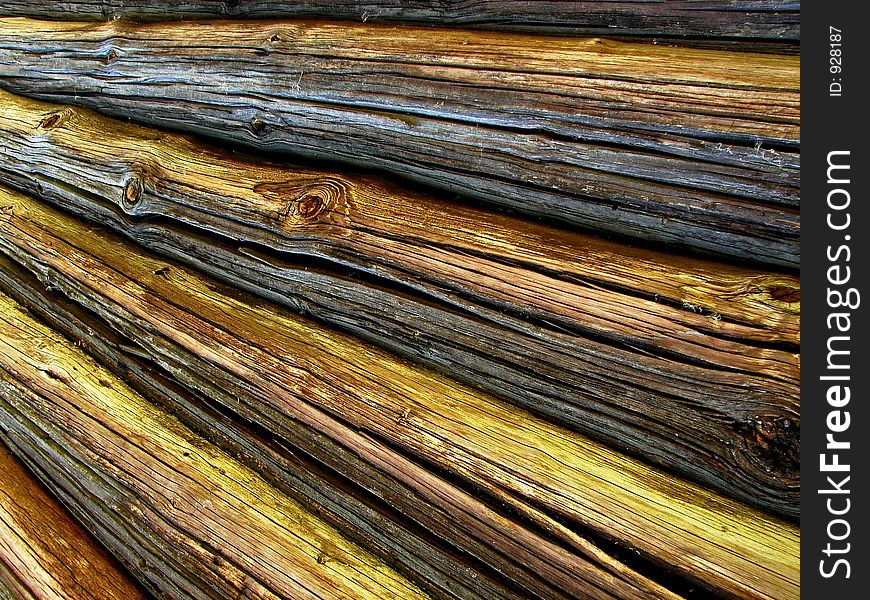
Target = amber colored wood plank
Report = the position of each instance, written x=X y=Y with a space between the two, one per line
x=299 y=369
x=187 y=518
x=613 y=340
x=688 y=147
x=759 y=19
x=44 y=553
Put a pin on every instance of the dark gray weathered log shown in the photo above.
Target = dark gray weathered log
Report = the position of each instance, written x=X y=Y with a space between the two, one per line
x=747 y=20
x=777 y=20
x=689 y=147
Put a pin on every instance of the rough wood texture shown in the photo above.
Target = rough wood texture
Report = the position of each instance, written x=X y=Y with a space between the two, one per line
x=764 y=19
x=626 y=344
x=496 y=556
x=283 y=367
x=44 y=553
x=696 y=148
x=198 y=523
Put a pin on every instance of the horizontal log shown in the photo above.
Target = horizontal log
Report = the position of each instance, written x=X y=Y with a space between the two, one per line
x=614 y=341
x=407 y=519
x=283 y=367
x=762 y=19
x=44 y=553
x=395 y=233
x=189 y=520
x=689 y=147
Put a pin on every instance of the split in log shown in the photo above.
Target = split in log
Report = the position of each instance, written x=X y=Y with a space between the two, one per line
x=187 y=519
x=693 y=148
x=44 y=553
x=759 y=19
x=282 y=368
x=627 y=345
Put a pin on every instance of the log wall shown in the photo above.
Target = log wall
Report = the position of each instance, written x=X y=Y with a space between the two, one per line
x=172 y=503
x=775 y=21
x=369 y=299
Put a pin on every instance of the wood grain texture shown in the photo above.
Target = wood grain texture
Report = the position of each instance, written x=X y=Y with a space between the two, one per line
x=748 y=20
x=300 y=371
x=188 y=519
x=403 y=511
x=625 y=344
x=695 y=148
x=44 y=553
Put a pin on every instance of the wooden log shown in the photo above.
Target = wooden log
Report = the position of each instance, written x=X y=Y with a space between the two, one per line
x=44 y=553
x=399 y=523
x=614 y=341
x=189 y=520
x=758 y=19
x=688 y=147
x=284 y=368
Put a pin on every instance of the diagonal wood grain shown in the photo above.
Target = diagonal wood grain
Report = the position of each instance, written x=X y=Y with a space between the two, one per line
x=298 y=368
x=695 y=148
x=394 y=506
x=626 y=344
x=199 y=523
x=44 y=553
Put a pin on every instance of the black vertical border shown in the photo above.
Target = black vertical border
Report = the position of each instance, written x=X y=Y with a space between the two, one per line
x=833 y=123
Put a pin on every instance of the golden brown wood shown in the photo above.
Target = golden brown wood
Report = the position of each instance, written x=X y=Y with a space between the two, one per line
x=413 y=527
x=44 y=553
x=301 y=369
x=203 y=524
x=530 y=562
x=589 y=332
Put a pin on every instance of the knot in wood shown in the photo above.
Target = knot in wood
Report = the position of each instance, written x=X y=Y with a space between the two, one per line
x=54 y=119
x=303 y=201
x=773 y=444
x=311 y=205
x=324 y=194
x=287 y=33
x=132 y=192
x=276 y=37
x=257 y=125
x=786 y=294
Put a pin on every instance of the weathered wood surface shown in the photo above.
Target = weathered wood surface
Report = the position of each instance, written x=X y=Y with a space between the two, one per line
x=749 y=20
x=44 y=553
x=495 y=556
x=281 y=367
x=696 y=148
x=629 y=345
x=189 y=520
